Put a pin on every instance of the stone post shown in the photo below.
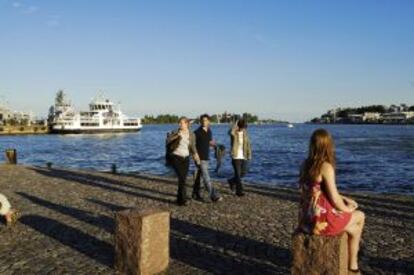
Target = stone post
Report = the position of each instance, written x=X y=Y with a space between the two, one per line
x=313 y=255
x=11 y=156
x=142 y=241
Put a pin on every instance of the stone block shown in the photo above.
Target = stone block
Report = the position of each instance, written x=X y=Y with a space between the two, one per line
x=142 y=241
x=317 y=255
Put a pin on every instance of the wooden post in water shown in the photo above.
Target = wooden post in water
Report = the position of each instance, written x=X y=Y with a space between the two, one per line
x=113 y=169
x=11 y=156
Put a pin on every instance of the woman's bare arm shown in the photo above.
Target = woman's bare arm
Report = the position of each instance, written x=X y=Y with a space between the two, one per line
x=328 y=175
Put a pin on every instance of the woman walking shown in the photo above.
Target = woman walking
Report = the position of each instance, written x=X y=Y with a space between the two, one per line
x=241 y=152
x=181 y=144
x=323 y=210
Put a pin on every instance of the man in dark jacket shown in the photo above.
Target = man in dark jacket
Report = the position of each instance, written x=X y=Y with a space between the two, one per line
x=204 y=140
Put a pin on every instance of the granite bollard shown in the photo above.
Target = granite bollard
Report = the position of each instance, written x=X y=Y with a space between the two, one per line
x=313 y=255
x=142 y=241
x=11 y=156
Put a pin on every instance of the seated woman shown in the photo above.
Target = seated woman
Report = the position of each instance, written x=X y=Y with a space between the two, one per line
x=323 y=210
x=9 y=214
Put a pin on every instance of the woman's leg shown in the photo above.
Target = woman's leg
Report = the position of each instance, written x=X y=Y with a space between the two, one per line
x=197 y=184
x=9 y=214
x=232 y=180
x=184 y=174
x=179 y=165
x=4 y=205
x=354 y=230
x=237 y=166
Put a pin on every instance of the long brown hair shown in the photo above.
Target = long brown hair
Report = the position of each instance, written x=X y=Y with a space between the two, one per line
x=321 y=149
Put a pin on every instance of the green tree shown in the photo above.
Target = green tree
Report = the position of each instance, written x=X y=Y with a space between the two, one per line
x=60 y=98
x=160 y=119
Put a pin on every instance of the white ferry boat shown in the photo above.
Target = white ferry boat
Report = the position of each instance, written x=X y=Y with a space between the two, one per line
x=102 y=117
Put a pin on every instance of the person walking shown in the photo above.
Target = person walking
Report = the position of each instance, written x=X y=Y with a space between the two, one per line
x=204 y=140
x=181 y=145
x=241 y=153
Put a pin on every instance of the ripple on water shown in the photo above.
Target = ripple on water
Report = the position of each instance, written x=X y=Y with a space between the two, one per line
x=372 y=157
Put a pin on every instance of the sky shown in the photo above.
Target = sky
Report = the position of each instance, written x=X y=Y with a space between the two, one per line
x=289 y=60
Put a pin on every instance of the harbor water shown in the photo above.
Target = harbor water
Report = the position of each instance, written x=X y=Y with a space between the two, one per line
x=378 y=158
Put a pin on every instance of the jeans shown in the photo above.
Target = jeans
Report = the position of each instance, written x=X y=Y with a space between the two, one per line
x=203 y=174
x=181 y=166
x=238 y=165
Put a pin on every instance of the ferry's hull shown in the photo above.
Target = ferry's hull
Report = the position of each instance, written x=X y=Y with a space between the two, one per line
x=94 y=131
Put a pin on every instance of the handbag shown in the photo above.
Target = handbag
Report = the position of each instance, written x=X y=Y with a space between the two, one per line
x=170 y=147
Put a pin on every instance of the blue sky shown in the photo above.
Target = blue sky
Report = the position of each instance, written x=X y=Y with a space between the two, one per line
x=280 y=59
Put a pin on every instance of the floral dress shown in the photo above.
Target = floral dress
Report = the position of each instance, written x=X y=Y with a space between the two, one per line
x=317 y=215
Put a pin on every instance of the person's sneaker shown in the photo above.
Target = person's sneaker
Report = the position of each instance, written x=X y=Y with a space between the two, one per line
x=241 y=194
x=231 y=184
x=216 y=199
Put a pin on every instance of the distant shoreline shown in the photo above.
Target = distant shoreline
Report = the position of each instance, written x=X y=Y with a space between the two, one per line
x=24 y=130
x=362 y=123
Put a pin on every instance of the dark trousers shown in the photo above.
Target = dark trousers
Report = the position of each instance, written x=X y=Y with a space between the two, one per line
x=197 y=183
x=238 y=165
x=181 y=166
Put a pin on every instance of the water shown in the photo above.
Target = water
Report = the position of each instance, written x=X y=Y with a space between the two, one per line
x=370 y=157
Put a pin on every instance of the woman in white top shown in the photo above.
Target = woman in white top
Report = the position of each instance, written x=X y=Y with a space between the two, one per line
x=241 y=152
x=181 y=146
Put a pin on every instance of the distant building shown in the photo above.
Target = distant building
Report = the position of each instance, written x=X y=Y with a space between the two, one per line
x=397 y=117
x=356 y=118
x=371 y=117
x=398 y=109
x=23 y=118
x=5 y=114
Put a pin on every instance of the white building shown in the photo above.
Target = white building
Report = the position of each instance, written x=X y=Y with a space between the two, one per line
x=397 y=117
x=4 y=114
x=371 y=116
x=19 y=117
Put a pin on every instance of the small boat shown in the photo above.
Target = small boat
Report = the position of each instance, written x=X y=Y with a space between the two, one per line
x=290 y=125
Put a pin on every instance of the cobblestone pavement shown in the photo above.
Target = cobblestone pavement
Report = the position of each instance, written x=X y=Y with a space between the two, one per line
x=67 y=225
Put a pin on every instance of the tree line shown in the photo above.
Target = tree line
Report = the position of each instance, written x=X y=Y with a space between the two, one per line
x=216 y=118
